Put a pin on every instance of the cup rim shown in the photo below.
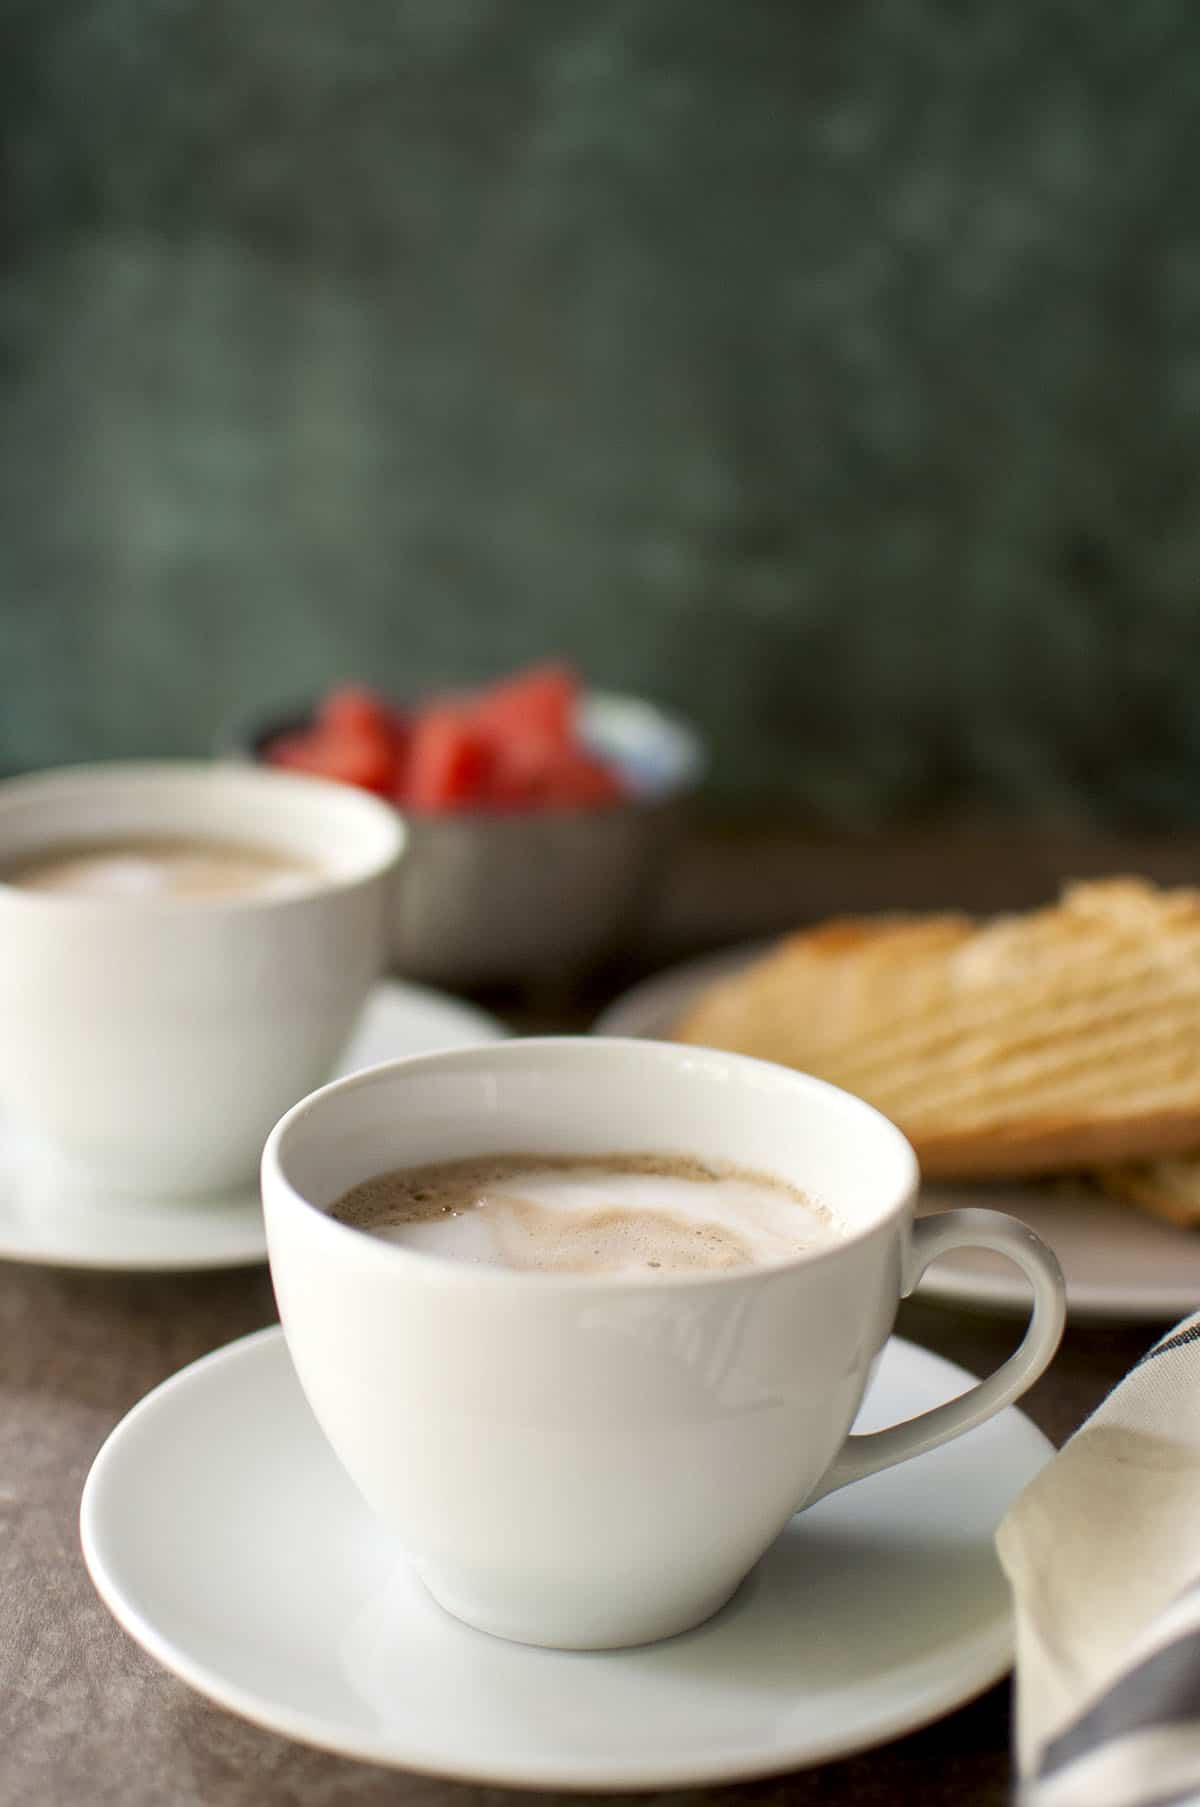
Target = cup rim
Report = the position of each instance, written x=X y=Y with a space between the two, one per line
x=600 y=1048
x=386 y=831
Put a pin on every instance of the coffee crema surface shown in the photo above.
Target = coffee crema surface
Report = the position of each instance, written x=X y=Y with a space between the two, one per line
x=163 y=866
x=649 y=1214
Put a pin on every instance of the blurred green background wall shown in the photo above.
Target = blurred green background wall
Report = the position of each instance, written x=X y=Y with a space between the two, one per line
x=831 y=371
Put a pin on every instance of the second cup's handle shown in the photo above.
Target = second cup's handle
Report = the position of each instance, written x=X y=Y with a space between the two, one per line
x=933 y=1236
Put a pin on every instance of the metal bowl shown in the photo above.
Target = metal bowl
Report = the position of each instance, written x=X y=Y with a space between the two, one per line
x=540 y=895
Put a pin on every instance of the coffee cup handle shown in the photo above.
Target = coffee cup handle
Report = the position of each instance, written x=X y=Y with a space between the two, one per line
x=933 y=1236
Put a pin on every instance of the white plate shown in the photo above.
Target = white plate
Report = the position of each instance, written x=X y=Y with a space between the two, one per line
x=59 y=1221
x=268 y=1586
x=1118 y=1263
x=650 y=1010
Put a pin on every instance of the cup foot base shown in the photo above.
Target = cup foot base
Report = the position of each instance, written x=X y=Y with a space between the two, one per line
x=80 y=1174
x=582 y=1629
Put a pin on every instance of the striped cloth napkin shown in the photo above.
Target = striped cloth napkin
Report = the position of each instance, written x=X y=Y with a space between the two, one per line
x=1103 y=1553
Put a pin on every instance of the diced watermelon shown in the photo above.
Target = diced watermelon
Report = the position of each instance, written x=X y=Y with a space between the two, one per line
x=295 y=752
x=539 y=704
x=579 y=781
x=362 y=759
x=353 y=709
x=520 y=767
x=447 y=760
x=510 y=747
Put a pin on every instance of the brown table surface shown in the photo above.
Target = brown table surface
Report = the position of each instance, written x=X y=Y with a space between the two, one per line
x=86 y=1718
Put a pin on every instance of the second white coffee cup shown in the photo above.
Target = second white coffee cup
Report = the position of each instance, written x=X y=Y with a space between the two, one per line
x=591 y=1460
x=151 y=1044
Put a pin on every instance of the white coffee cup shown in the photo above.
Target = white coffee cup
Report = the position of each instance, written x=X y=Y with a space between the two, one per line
x=153 y=1042
x=591 y=1460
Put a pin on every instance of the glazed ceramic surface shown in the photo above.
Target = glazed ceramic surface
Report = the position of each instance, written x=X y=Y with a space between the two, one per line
x=152 y=1043
x=271 y=1588
x=598 y=1460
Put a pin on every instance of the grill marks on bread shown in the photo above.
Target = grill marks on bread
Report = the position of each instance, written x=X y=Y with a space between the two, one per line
x=1056 y=1040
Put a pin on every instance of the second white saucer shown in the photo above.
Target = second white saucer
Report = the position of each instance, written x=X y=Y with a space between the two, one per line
x=59 y=1222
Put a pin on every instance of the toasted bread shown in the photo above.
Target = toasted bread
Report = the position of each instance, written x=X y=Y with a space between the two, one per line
x=1169 y=1188
x=1066 y=1038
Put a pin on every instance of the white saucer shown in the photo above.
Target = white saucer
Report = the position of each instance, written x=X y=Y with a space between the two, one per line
x=61 y=1222
x=1118 y=1263
x=269 y=1587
